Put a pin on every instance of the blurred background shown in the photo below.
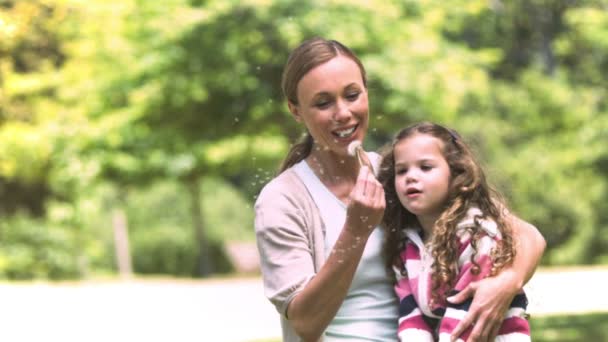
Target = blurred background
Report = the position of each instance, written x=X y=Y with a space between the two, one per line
x=135 y=135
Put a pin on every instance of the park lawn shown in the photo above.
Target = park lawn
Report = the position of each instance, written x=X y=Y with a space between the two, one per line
x=562 y=328
x=570 y=328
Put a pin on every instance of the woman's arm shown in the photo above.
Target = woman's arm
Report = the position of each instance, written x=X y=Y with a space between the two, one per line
x=312 y=309
x=492 y=296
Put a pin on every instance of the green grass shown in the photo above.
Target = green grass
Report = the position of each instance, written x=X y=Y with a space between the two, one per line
x=570 y=328
x=563 y=328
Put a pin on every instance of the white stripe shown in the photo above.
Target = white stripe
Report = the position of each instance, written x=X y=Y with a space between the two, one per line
x=515 y=312
x=418 y=335
x=484 y=247
x=459 y=314
x=413 y=268
x=446 y=337
x=513 y=337
x=466 y=255
x=455 y=313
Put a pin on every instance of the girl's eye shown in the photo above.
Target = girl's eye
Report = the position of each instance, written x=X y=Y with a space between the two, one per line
x=426 y=167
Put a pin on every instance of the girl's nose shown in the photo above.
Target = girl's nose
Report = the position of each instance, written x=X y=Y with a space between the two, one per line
x=410 y=177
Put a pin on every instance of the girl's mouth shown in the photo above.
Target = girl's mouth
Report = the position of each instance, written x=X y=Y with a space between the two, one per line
x=412 y=192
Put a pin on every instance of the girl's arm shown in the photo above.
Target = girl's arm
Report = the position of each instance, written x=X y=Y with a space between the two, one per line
x=492 y=296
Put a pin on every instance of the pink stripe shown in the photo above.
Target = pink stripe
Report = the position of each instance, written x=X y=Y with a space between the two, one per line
x=448 y=325
x=402 y=289
x=514 y=324
x=467 y=277
x=463 y=245
x=509 y=326
x=414 y=287
x=411 y=252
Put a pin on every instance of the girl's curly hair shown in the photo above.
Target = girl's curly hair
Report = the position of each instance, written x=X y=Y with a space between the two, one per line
x=468 y=188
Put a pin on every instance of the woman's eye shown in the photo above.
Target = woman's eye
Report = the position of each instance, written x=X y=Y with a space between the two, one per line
x=400 y=171
x=322 y=104
x=353 y=96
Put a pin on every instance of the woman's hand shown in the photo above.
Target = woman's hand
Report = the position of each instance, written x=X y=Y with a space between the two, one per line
x=491 y=299
x=366 y=205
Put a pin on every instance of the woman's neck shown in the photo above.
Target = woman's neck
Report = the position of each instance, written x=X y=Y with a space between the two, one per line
x=337 y=172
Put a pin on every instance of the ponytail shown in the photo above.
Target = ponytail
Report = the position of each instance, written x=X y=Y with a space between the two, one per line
x=298 y=152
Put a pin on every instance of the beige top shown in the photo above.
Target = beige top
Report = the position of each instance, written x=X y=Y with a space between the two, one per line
x=290 y=240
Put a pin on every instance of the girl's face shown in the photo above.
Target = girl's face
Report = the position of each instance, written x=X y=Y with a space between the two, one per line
x=422 y=175
x=333 y=104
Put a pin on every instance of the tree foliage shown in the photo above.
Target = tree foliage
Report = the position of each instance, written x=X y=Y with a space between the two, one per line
x=123 y=95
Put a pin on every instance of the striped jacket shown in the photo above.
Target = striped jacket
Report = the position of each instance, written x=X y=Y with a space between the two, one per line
x=420 y=322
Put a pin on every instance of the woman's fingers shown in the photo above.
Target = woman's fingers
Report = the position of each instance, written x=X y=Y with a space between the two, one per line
x=360 y=186
x=367 y=200
x=470 y=317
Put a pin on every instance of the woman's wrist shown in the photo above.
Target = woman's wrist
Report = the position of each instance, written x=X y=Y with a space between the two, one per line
x=512 y=278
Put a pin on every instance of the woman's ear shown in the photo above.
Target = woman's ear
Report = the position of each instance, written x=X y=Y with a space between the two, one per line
x=293 y=109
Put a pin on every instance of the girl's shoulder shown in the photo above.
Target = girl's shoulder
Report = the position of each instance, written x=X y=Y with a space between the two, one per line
x=474 y=218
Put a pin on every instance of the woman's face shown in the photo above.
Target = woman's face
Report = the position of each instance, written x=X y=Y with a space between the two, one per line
x=333 y=104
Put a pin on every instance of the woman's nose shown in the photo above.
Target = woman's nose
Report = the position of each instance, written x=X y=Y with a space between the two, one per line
x=342 y=113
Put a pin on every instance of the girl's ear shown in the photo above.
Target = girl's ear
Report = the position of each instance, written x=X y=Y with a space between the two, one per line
x=293 y=109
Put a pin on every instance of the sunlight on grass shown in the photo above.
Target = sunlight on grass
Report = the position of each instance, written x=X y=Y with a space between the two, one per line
x=570 y=328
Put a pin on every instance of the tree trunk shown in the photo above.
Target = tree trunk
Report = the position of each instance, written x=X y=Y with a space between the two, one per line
x=205 y=262
x=121 y=243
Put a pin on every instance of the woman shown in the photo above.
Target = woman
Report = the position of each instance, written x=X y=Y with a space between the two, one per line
x=316 y=222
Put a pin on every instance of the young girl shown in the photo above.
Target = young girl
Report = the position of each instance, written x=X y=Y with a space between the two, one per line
x=445 y=228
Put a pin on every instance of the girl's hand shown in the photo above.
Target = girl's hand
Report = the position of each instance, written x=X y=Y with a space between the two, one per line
x=366 y=205
x=491 y=299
